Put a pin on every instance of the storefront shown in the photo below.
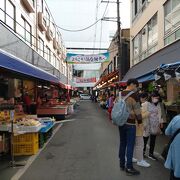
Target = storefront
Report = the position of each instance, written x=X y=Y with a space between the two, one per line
x=22 y=85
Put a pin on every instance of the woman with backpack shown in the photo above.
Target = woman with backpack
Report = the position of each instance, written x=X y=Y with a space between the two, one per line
x=155 y=124
x=173 y=156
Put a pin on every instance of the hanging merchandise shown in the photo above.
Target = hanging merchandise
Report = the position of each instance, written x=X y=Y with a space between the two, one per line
x=167 y=76
x=157 y=77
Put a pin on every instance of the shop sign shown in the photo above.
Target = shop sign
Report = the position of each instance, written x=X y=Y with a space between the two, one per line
x=82 y=58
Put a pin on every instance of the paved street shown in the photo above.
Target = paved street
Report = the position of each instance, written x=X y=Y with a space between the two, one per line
x=86 y=149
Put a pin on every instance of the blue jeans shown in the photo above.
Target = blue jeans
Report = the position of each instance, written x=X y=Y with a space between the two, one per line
x=127 y=141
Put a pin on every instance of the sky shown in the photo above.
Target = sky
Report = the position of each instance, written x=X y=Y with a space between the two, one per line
x=78 y=14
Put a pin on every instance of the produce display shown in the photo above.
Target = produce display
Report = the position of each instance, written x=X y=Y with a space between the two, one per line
x=27 y=122
x=22 y=122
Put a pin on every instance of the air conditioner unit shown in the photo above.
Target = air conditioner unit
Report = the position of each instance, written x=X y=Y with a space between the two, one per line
x=49 y=34
x=28 y=5
x=55 y=45
x=41 y=21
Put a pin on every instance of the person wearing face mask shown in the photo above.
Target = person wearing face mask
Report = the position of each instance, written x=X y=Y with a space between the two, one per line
x=155 y=123
x=139 y=145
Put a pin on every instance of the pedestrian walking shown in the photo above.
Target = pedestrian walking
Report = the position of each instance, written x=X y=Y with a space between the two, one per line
x=155 y=124
x=139 y=144
x=173 y=157
x=128 y=131
x=110 y=105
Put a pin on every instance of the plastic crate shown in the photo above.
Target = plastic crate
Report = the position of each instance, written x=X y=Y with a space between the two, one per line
x=26 y=138
x=25 y=149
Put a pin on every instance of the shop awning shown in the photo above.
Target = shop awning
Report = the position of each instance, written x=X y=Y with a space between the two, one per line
x=167 y=55
x=15 y=64
x=107 y=77
x=147 y=77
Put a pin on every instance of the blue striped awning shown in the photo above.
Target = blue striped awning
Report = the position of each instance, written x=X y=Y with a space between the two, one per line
x=15 y=64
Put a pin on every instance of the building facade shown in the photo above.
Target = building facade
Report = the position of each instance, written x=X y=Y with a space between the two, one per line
x=29 y=32
x=154 y=26
x=113 y=64
x=111 y=72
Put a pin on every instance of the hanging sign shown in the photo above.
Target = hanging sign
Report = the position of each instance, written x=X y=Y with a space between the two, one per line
x=85 y=80
x=82 y=58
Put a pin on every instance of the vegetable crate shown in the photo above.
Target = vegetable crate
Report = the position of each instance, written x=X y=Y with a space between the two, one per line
x=25 y=144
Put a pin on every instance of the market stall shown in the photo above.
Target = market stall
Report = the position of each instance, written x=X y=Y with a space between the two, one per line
x=59 y=112
x=168 y=76
x=25 y=130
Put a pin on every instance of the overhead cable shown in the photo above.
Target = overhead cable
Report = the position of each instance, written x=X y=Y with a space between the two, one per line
x=78 y=30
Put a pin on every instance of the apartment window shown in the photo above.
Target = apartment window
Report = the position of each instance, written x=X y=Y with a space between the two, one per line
x=53 y=29
x=171 y=20
x=27 y=35
x=10 y=14
x=41 y=47
x=47 y=17
x=57 y=64
x=170 y=39
x=172 y=15
x=2 y=10
x=144 y=39
x=135 y=7
x=177 y=34
x=33 y=2
x=136 y=46
x=152 y=31
x=61 y=67
x=48 y=54
x=53 y=60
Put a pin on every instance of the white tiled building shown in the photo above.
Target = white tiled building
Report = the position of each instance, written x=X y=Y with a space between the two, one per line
x=31 y=21
x=155 y=24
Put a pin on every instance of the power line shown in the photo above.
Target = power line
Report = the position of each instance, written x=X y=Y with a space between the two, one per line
x=100 y=36
x=78 y=30
x=102 y=23
x=105 y=9
x=97 y=7
x=83 y=29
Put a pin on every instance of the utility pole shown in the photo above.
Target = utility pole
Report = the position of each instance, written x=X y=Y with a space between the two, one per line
x=119 y=57
x=118 y=36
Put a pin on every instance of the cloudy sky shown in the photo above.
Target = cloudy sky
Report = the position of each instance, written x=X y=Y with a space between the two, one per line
x=78 y=14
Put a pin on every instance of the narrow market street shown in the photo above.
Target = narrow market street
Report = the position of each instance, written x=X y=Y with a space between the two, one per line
x=86 y=149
